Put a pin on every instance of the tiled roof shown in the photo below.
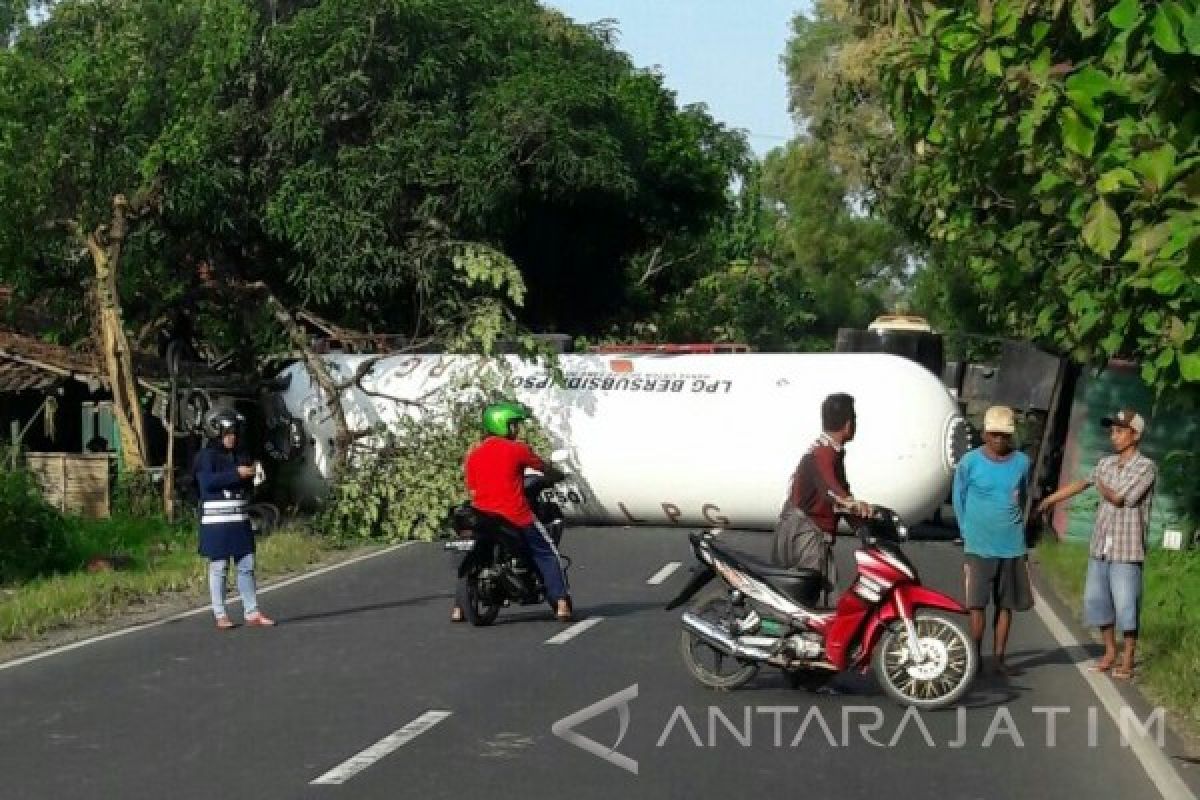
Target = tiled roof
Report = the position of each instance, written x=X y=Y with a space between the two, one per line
x=24 y=357
x=18 y=377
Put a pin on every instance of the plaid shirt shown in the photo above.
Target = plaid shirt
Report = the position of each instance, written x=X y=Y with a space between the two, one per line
x=1120 y=532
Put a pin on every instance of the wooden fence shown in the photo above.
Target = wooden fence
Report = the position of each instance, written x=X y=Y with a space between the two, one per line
x=74 y=483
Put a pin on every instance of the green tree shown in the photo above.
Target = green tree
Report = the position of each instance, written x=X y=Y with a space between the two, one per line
x=449 y=168
x=795 y=262
x=1057 y=160
x=348 y=154
x=835 y=93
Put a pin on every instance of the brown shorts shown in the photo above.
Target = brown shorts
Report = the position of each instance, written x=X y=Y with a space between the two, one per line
x=1003 y=582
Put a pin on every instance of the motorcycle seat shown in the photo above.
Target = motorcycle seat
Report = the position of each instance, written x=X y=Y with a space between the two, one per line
x=802 y=585
x=765 y=569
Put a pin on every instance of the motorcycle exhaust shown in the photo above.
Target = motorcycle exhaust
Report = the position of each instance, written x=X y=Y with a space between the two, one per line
x=721 y=640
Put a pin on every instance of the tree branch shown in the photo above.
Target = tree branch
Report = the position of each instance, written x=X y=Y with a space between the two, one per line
x=654 y=268
x=316 y=369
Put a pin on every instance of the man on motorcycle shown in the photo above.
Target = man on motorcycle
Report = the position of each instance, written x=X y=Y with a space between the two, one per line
x=495 y=475
x=818 y=495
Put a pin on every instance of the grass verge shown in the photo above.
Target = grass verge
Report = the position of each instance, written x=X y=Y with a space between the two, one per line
x=1169 y=641
x=162 y=562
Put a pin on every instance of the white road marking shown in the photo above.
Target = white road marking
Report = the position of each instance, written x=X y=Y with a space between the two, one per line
x=664 y=573
x=573 y=631
x=381 y=749
x=1164 y=777
x=16 y=662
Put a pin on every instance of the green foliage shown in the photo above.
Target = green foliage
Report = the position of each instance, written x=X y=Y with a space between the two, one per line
x=835 y=92
x=36 y=540
x=405 y=485
x=103 y=99
x=1057 y=160
x=743 y=303
x=136 y=495
x=33 y=537
x=354 y=155
x=796 y=261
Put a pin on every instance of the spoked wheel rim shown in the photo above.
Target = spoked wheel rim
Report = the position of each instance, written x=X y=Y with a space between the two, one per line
x=945 y=665
x=708 y=659
x=704 y=655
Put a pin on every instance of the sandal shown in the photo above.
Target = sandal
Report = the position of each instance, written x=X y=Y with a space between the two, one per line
x=1121 y=674
x=1103 y=665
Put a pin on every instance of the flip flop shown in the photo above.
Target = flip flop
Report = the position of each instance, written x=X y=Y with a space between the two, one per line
x=1121 y=674
x=1100 y=666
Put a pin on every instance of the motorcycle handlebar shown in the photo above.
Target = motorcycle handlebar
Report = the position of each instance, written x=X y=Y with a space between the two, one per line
x=882 y=523
x=535 y=483
x=880 y=516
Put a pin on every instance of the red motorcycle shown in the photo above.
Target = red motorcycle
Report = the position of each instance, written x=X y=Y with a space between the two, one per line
x=922 y=656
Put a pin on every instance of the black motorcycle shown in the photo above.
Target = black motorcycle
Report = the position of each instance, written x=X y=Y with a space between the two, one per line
x=498 y=569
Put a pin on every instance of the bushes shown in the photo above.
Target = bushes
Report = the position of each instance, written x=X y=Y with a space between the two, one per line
x=36 y=540
x=33 y=536
x=406 y=489
x=137 y=495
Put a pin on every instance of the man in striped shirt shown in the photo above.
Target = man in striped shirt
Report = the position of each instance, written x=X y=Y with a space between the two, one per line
x=1113 y=589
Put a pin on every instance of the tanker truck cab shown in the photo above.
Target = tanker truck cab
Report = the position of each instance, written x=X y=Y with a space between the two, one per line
x=900 y=322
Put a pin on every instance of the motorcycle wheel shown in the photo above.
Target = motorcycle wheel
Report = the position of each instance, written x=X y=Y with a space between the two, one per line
x=478 y=611
x=949 y=665
x=708 y=665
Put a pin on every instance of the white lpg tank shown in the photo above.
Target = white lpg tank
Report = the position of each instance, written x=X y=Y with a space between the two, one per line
x=679 y=439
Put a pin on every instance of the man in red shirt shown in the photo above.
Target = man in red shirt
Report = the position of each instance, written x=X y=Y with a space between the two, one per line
x=495 y=475
x=808 y=522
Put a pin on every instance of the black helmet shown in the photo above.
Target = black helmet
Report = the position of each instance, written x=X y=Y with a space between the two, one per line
x=222 y=421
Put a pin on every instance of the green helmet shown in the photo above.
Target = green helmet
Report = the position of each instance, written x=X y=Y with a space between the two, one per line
x=498 y=417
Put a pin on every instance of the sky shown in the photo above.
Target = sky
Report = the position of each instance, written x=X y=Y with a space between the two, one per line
x=723 y=53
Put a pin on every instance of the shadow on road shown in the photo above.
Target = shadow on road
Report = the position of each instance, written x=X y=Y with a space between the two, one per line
x=1028 y=659
x=617 y=609
x=341 y=612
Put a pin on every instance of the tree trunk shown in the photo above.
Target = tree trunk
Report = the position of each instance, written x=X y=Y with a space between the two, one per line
x=169 y=469
x=105 y=248
x=318 y=371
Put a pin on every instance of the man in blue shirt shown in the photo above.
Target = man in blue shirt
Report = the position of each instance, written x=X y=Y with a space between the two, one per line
x=990 y=487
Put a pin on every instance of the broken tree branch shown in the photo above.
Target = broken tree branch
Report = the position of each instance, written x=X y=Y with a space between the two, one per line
x=317 y=370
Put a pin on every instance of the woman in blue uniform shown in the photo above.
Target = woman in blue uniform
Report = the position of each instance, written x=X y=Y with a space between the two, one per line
x=225 y=532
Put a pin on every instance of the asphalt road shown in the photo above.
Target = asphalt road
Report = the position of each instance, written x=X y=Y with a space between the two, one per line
x=364 y=659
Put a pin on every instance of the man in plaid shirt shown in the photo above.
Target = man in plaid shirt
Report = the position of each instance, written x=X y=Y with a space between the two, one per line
x=1113 y=590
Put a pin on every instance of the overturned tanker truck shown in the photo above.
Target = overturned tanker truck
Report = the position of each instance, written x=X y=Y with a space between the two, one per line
x=667 y=439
